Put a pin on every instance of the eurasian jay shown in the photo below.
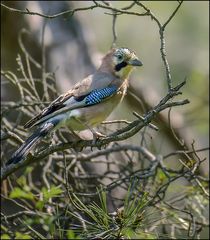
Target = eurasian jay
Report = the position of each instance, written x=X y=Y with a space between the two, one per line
x=87 y=104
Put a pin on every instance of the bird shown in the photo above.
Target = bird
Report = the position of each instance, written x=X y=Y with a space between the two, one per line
x=87 y=103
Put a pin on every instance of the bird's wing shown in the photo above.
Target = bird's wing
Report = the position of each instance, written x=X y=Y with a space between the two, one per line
x=91 y=90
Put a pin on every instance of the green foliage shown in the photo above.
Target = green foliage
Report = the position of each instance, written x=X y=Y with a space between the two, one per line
x=71 y=235
x=5 y=236
x=47 y=194
x=19 y=235
x=122 y=223
x=19 y=193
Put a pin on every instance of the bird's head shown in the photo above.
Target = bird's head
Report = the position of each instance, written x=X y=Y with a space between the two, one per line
x=120 y=61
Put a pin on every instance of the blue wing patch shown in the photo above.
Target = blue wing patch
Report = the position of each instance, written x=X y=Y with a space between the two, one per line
x=98 y=95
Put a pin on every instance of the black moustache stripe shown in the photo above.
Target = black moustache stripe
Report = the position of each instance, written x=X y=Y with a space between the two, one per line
x=119 y=66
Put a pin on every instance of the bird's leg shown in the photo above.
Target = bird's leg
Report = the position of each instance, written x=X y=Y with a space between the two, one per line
x=96 y=135
x=69 y=135
x=77 y=137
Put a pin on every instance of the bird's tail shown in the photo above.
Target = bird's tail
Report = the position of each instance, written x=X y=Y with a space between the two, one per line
x=41 y=132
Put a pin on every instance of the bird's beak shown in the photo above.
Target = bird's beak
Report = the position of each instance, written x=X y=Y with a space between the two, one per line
x=135 y=62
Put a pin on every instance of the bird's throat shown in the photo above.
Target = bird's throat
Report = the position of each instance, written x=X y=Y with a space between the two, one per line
x=124 y=72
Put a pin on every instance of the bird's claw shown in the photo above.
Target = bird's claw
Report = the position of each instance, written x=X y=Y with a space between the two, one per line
x=96 y=137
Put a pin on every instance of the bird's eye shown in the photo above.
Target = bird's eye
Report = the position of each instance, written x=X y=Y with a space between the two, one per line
x=119 y=57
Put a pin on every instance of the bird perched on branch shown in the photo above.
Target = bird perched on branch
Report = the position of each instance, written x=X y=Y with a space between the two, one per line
x=87 y=104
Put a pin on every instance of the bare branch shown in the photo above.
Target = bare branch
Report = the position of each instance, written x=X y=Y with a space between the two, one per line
x=65 y=13
x=118 y=135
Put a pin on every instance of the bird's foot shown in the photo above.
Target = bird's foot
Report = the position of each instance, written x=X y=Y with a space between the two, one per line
x=96 y=137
